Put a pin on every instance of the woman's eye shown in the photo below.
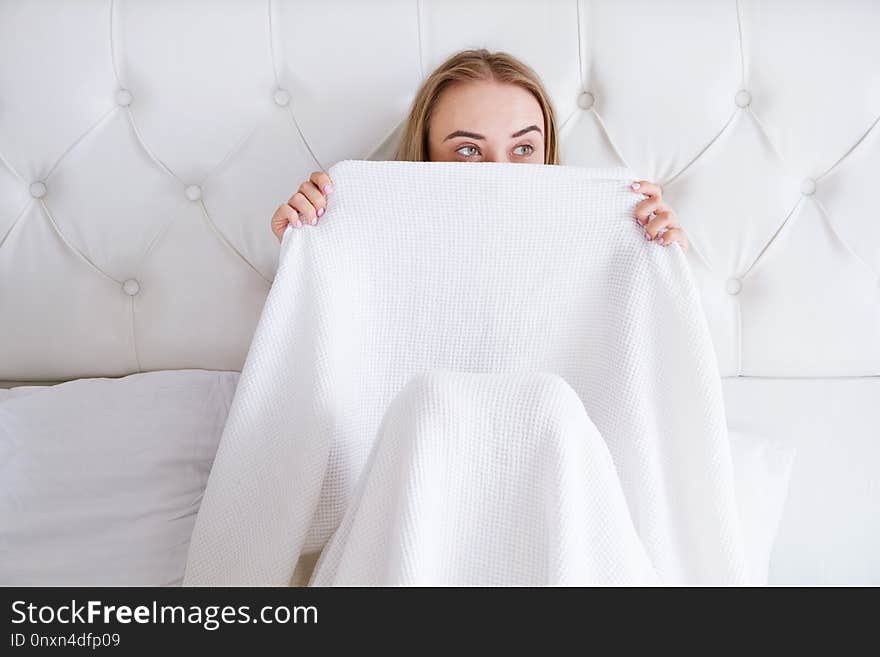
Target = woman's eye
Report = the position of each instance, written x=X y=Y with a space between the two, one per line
x=468 y=151
x=519 y=150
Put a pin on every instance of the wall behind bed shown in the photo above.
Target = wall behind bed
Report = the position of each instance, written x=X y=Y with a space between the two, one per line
x=145 y=145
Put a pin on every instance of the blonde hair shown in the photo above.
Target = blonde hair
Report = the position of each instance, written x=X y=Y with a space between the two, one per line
x=474 y=65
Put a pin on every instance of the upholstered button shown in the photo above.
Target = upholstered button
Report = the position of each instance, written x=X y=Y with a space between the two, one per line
x=194 y=192
x=38 y=189
x=808 y=186
x=282 y=98
x=743 y=98
x=734 y=285
x=586 y=100
x=131 y=287
x=123 y=97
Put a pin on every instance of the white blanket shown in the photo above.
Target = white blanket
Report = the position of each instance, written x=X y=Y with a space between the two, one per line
x=471 y=268
x=486 y=479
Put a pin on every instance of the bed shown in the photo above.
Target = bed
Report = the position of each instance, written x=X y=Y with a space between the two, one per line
x=140 y=164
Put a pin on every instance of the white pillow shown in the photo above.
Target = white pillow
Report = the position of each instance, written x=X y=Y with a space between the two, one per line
x=101 y=479
x=762 y=471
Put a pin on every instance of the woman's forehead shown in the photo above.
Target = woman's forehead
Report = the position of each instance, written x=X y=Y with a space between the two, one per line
x=491 y=107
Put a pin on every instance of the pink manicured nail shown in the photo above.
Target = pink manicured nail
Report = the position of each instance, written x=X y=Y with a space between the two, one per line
x=660 y=242
x=636 y=185
x=314 y=221
x=298 y=224
x=328 y=189
x=320 y=212
x=648 y=236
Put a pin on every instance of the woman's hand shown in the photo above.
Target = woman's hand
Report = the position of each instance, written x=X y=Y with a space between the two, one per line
x=304 y=207
x=658 y=219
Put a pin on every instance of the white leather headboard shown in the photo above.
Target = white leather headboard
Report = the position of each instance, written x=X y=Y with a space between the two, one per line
x=144 y=146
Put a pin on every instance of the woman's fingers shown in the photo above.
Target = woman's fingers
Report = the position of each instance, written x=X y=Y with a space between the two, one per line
x=307 y=212
x=659 y=220
x=647 y=188
x=283 y=216
x=663 y=219
x=674 y=235
x=315 y=197
x=322 y=182
x=650 y=206
x=664 y=229
x=306 y=206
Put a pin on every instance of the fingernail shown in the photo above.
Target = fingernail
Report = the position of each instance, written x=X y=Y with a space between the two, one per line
x=648 y=236
x=298 y=224
x=314 y=221
x=660 y=242
x=320 y=212
x=636 y=185
x=328 y=189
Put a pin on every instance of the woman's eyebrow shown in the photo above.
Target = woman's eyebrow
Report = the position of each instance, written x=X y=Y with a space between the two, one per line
x=463 y=133
x=474 y=135
x=525 y=130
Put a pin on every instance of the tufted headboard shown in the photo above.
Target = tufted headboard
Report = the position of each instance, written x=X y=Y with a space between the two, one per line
x=145 y=145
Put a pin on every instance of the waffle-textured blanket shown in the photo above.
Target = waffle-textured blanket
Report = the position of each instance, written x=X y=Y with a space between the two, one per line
x=486 y=479
x=422 y=268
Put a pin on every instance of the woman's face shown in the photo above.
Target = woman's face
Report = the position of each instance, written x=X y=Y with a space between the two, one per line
x=486 y=122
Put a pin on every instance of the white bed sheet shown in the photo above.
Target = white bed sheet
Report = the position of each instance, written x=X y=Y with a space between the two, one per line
x=829 y=532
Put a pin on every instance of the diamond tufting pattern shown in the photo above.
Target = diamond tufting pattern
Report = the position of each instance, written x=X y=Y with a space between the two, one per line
x=144 y=147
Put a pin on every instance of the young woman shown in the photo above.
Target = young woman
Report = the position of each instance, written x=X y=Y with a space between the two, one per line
x=480 y=107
